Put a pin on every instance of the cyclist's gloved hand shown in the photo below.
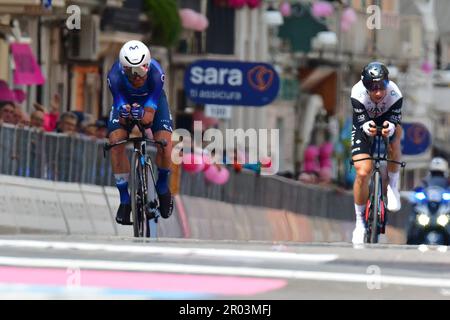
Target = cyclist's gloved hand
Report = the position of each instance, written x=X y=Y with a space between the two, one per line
x=124 y=111
x=137 y=112
x=389 y=129
x=370 y=128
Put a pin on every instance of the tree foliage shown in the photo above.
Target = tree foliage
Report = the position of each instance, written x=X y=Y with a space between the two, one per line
x=165 y=22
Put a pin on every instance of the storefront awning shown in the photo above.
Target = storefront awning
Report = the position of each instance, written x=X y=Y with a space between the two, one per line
x=27 y=71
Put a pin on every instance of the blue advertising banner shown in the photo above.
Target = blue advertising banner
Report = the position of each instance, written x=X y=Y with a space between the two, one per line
x=231 y=83
x=416 y=139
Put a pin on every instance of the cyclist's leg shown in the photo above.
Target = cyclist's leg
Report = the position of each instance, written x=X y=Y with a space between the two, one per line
x=395 y=153
x=361 y=184
x=162 y=129
x=360 y=149
x=120 y=166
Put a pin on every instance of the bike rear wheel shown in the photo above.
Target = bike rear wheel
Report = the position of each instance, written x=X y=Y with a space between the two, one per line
x=140 y=226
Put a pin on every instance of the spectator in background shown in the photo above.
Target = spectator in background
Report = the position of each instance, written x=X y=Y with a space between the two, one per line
x=7 y=112
x=51 y=116
x=67 y=123
x=102 y=129
x=88 y=128
x=7 y=106
x=21 y=118
x=37 y=119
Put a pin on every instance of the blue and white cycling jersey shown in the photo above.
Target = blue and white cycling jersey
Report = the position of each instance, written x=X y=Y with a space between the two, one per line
x=151 y=94
x=124 y=93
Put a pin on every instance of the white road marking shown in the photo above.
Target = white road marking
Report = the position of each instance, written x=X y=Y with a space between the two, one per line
x=153 y=249
x=224 y=271
x=52 y=292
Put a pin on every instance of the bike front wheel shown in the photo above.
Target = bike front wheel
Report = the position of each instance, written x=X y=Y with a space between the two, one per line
x=374 y=216
x=137 y=197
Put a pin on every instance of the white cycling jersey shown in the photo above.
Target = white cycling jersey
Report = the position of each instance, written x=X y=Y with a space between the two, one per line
x=361 y=95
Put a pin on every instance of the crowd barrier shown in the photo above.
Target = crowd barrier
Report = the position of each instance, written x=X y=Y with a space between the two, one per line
x=30 y=205
x=318 y=201
x=73 y=194
x=215 y=220
x=53 y=156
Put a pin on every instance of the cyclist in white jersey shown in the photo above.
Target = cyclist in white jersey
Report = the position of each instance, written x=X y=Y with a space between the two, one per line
x=376 y=101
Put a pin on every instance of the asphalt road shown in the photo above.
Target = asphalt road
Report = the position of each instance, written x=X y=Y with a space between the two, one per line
x=61 y=267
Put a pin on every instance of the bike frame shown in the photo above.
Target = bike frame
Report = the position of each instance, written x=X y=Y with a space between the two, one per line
x=375 y=215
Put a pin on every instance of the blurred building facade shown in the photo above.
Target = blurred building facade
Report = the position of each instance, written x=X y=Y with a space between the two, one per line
x=318 y=62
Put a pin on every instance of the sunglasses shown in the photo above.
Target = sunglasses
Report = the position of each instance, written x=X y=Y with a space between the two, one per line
x=136 y=72
x=375 y=86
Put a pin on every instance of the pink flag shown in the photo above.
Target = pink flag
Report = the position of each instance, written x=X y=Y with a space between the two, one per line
x=27 y=70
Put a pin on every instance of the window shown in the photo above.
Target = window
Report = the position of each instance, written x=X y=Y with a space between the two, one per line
x=220 y=33
x=191 y=4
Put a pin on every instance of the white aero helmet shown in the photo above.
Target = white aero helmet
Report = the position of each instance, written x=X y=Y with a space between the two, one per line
x=135 y=58
x=439 y=164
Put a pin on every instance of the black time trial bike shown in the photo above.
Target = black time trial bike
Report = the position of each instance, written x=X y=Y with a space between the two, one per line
x=144 y=199
x=375 y=216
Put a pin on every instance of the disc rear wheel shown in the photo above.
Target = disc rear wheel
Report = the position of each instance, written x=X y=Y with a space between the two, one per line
x=137 y=197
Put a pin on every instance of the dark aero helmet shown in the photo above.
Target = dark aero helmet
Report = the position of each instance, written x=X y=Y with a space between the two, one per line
x=375 y=76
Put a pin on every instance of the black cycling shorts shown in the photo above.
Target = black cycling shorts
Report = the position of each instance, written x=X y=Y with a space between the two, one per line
x=362 y=143
x=161 y=121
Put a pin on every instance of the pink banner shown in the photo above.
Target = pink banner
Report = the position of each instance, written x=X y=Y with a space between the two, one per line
x=27 y=71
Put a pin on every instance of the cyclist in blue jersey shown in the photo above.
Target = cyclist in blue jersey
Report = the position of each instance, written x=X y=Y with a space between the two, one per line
x=136 y=83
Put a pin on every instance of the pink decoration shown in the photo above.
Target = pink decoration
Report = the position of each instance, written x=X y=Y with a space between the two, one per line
x=217 y=175
x=345 y=26
x=348 y=19
x=236 y=4
x=203 y=23
x=349 y=16
x=311 y=153
x=266 y=162
x=193 y=162
x=322 y=9
x=193 y=20
x=326 y=150
x=207 y=162
x=5 y=93
x=326 y=163
x=27 y=70
x=427 y=67
x=325 y=174
x=285 y=9
x=20 y=95
x=325 y=155
x=252 y=4
x=311 y=166
x=311 y=163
